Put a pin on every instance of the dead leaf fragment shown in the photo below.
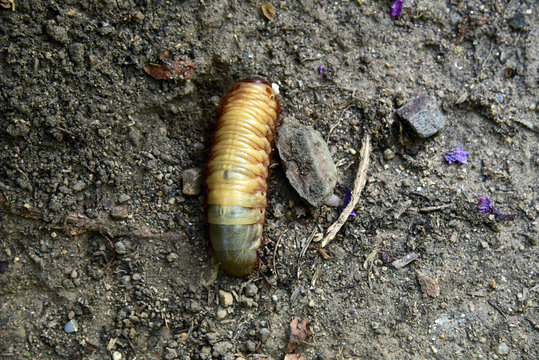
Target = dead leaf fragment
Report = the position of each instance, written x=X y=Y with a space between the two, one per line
x=405 y=260
x=179 y=67
x=462 y=98
x=76 y=224
x=269 y=11
x=429 y=286
x=299 y=332
x=323 y=252
x=295 y=357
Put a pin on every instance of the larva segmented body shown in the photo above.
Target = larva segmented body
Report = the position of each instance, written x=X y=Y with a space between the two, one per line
x=237 y=173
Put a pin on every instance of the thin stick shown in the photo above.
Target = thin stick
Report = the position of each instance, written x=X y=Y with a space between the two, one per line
x=434 y=208
x=275 y=252
x=359 y=184
x=304 y=249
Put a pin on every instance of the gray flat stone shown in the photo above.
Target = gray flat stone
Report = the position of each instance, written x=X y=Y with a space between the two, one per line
x=307 y=161
x=423 y=115
x=518 y=22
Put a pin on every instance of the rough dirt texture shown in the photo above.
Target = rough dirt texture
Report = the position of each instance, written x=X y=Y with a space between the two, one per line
x=95 y=226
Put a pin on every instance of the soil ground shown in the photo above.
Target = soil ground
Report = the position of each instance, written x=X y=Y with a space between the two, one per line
x=96 y=232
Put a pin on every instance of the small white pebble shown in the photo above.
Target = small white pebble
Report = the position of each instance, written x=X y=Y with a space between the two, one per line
x=221 y=313
x=503 y=349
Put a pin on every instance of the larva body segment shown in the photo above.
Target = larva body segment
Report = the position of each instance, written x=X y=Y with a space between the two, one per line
x=237 y=173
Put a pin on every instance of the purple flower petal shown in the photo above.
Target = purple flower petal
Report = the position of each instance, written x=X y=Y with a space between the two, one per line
x=396 y=8
x=347 y=198
x=320 y=69
x=458 y=155
x=486 y=208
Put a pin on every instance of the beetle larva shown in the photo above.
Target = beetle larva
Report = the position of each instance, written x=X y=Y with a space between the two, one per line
x=237 y=173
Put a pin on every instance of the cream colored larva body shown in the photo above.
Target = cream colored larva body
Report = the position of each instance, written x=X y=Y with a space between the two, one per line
x=237 y=173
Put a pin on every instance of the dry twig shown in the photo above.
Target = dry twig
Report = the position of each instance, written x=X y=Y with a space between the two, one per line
x=275 y=252
x=434 y=208
x=304 y=249
x=359 y=184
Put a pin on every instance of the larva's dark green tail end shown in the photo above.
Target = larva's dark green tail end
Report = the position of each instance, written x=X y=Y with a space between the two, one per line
x=234 y=247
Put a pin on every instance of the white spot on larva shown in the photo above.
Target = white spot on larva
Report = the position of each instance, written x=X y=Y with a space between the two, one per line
x=275 y=88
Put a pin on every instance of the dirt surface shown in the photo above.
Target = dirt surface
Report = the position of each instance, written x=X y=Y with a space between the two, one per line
x=97 y=235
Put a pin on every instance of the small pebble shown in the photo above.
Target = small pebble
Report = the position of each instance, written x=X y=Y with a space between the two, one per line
x=429 y=285
x=123 y=198
x=250 y=346
x=502 y=349
x=388 y=154
x=251 y=290
x=172 y=257
x=136 y=277
x=126 y=280
x=264 y=334
x=119 y=213
x=443 y=305
x=205 y=352
x=78 y=186
x=423 y=115
x=170 y=354
x=518 y=21
x=192 y=181
x=71 y=326
x=121 y=247
x=334 y=201
x=225 y=298
x=221 y=348
x=221 y=313
x=248 y=302
x=116 y=355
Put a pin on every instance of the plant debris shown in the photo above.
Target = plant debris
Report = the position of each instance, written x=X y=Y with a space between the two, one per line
x=486 y=207
x=8 y=4
x=405 y=260
x=299 y=332
x=269 y=11
x=178 y=67
x=359 y=184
